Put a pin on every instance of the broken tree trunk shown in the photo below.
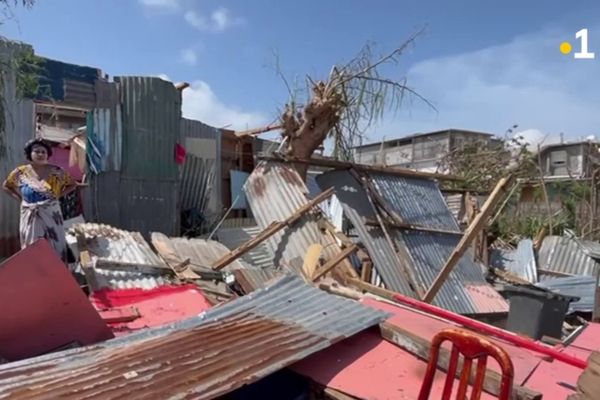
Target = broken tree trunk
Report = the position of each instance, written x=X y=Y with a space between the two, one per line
x=472 y=231
x=421 y=348
x=272 y=229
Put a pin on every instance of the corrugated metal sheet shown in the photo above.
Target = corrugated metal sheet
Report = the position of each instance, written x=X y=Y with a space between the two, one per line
x=418 y=202
x=456 y=205
x=104 y=145
x=274 y=192
x=583 y=287
x=197 y=183
x=80 y=94
x=591 y=248
x=203 y=357
x=202 y=253
x=151 y=125
x=107 y=279
x=259 y=257
x=357 y=208
x=191 y=129
x=519 y=262
x=109 y=244
x=19 y=128
x=563 y=254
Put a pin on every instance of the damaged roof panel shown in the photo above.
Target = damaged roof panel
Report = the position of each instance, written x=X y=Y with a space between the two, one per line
x=202 y=357
x=564 y=255
x=274 y=192
x=519 y=262
x=357 y=208
x=583 y=287
x=419 y=202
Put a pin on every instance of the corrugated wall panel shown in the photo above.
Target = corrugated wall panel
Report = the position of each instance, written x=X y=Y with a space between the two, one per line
x=151 y=123
x=149 y=206
x=19 y=128
x=197 y=130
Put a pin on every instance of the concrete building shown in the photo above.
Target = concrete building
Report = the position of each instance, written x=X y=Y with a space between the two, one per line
x=422 y=151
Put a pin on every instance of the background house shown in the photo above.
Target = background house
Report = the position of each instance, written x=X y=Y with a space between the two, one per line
x=422 y=151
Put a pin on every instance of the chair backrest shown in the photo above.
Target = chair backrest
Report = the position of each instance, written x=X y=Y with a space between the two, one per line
x=471 y=347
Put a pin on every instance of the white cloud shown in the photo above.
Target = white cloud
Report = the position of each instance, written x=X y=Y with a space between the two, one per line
x=189 y=56
x=218 y=21
x=526 y=82
x=165 y=4
x=201 y=103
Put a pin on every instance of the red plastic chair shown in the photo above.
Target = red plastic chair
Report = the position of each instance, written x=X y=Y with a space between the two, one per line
x=471 y=347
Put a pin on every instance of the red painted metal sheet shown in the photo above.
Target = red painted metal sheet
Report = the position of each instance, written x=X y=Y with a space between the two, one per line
x=589 y=339
x=156 y=307
x=547 y=375
x=43 y=308
x=427 y=326
x=368 y=367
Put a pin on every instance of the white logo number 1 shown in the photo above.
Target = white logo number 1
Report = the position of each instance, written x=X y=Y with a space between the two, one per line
x=584 y=53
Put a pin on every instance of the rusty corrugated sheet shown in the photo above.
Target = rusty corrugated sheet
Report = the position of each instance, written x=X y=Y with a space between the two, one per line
x=274 y=192
x=566 y=255
x=201 y=358
x=19 y=128
x=417 y=202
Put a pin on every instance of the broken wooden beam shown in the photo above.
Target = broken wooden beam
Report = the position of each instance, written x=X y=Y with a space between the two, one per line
x=311 y=260
x=272 y=229
x=410 y=227
x=335 y=164
x=331 y=264
x=479 y=222
x=421 y=348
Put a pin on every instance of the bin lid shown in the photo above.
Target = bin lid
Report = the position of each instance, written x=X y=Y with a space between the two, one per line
x=538 y=292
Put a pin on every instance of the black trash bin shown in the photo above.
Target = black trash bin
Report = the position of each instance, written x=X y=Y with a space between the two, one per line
x=536 y=312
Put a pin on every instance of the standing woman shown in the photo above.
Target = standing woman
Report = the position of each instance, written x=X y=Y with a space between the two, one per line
x=39 y=186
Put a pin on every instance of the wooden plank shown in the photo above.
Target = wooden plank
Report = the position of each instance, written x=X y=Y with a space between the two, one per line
x=363 y=167
x=507 y=276
x=311 y=260
x=337 y=395
x=421 y=348
x=85 y=260
x=367 y=269
x=553 y=273
x=472 y=231
x=409 y=227
x=596 y=311
x=588 y=384
x=331 y=264
x=170 y=256
x=272 y=229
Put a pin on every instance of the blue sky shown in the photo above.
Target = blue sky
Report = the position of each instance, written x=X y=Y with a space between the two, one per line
x=485 y=65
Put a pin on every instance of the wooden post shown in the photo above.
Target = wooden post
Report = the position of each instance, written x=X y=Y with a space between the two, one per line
x=421 y=348
x=85 y=260
x=472 y=231
x=331 y=264
x=596 y=313
x=272 y=229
